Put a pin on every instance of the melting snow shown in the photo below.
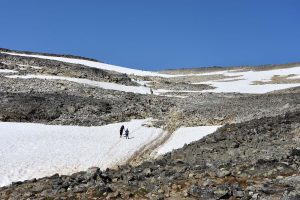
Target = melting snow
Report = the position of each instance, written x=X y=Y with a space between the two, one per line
x=104 y=85
x=245 y=85
x=29 y=150
x=7 y=71
x=185 y=135
x=93 y=64
x=105 y=66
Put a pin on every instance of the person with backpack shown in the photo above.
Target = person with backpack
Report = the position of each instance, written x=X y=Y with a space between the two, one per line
x=121 y=130
x=127 y=134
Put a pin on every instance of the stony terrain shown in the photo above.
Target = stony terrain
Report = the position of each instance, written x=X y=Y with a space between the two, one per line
x=254 y=155
x=250 y=160
x=51 y=67
x=82 y=109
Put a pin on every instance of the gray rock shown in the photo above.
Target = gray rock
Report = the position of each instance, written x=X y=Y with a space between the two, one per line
x=223 y=172
x=92 y=173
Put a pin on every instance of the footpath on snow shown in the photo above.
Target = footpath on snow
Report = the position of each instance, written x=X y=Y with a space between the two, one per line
x=30 y=150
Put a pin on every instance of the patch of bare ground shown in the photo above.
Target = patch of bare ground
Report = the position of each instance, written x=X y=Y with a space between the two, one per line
x=194 y=70
x=198 y=79
x=173 y=122
x=171 y=85
x=277 y=79
x=200 y=70
x=275 y=66
x=231 y=80
x=145 y=152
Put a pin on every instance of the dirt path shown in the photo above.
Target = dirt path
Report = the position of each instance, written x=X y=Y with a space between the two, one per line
x=148 y=150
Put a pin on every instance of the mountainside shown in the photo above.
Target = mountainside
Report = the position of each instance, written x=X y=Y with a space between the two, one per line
x=235 y=130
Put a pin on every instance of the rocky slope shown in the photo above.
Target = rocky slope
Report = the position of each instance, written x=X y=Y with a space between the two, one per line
x=253 y=156
x=29 y=65
x=250 y=160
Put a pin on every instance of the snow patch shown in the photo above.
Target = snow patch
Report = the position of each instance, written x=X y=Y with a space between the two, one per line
x=247 y=78
x=29 y=150
x=104 y=85
x=7 y=71
x=119 y=69
x=141 y=82
x=93 y=64
x=185 y=135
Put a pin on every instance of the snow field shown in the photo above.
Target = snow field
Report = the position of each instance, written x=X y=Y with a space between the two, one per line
x=245 y=85
x=29 y=150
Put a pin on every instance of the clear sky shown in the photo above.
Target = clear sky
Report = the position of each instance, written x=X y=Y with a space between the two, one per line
x=156 y=34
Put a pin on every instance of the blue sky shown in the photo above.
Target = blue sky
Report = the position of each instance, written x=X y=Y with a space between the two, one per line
x=156 y=34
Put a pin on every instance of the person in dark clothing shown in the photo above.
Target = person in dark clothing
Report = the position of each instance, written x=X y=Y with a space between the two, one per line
x=127 y=134
x=121 y=130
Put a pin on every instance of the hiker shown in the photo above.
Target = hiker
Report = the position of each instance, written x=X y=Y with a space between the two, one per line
x=121 y=130
x=151 y=91
x=127 y=134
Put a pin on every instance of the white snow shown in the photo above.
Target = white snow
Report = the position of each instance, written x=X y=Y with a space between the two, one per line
x=7 y=71
x=93 y=64
x=29 y=150
x=185 y=135
x=245 y=85
x=141 y=82
x=104 y=85
x=105 y=66
x=240 y=86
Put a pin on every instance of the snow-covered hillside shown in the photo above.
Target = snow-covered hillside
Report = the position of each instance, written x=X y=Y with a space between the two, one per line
x=90 y=64
x=29 y=150
x=104 y=85
x=237 y=81
x=245 y=81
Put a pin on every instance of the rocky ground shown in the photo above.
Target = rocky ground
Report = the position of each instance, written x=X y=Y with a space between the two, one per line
x=29 y=65
x=63 y=102
x=82 y=108
x=254 y=156
x=238 y=68
x=171 y=85
x=257 y=159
